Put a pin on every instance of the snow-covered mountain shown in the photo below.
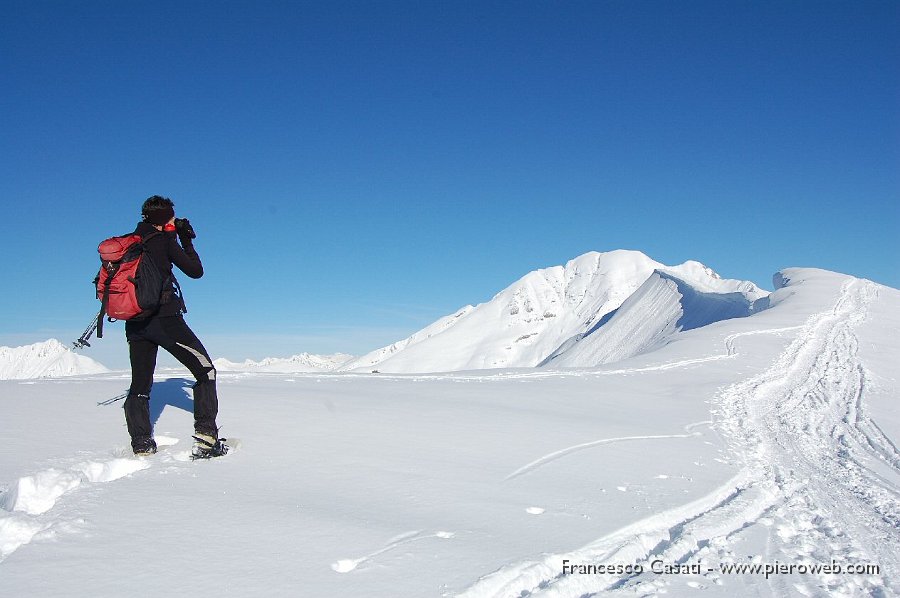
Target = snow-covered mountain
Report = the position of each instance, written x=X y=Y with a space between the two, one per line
x=48 y=359
x=551 y=311
x=304 y=362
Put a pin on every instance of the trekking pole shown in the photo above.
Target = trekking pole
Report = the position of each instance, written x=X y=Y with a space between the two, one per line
x=113 y=400
x=82 y=341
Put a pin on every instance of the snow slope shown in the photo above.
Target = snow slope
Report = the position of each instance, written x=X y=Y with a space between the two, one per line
x=304 y=362
x=661 y=307
x=767 y=440
x=540 y=315
x=48 y=359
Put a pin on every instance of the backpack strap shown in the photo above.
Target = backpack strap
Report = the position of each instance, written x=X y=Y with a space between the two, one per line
x=104 y=301
x=99 y=326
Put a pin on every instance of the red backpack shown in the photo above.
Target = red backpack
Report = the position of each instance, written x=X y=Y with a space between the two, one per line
x=129 y=284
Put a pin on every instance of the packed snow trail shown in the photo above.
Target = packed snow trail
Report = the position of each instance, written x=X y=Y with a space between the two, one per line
x=27 y=507
x=802 y=426
x=804 y=443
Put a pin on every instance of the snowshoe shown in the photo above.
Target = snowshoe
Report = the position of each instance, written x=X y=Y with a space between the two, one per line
x=207 y=446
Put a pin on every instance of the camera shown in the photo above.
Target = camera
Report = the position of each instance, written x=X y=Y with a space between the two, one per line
x=183 y=226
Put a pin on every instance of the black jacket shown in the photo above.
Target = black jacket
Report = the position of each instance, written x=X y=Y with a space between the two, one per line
x=165 y=251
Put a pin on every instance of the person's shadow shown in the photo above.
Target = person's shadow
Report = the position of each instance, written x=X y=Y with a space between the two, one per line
x=174 y=392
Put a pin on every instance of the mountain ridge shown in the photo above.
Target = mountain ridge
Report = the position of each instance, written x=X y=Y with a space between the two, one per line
x=533 y=318
x=300 y=363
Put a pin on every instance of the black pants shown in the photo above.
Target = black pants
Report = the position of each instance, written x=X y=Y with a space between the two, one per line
x=172 y=334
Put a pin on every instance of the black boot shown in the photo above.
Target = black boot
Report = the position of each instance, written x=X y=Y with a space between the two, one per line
x=143 y=446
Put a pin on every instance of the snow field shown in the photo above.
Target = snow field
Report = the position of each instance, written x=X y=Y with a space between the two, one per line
x=399 y=482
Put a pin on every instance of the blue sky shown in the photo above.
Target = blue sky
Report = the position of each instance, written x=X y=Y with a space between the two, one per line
x=355 y=170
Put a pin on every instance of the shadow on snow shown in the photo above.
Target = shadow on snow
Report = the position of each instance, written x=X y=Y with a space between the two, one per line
x=174 y=392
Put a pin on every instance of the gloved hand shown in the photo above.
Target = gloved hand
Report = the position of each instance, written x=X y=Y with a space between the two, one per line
x=184 y=229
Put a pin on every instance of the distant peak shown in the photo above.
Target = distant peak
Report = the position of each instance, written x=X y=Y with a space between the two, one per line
x=44 y=359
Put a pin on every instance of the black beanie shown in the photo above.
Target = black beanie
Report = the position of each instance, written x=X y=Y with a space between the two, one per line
x=160 y=217
x=158 y=210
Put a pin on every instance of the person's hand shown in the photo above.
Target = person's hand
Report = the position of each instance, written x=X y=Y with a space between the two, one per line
x=184 y=229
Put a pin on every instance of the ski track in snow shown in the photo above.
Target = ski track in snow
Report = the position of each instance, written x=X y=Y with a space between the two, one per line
x=578 y=447
x=802 y=437
x=348 y=565
x=28 y=506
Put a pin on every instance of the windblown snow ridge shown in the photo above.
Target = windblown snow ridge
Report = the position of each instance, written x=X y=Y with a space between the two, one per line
x=48 y=359
x=598 y=308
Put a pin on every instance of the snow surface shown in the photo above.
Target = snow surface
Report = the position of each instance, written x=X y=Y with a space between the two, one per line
x=48 y=359
x=764 y=439
x=549 y=312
